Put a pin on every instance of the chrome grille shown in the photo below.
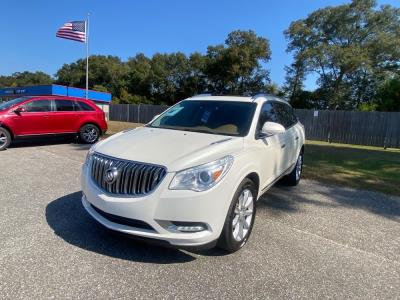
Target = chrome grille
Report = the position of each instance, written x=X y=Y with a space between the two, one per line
x=129 y=177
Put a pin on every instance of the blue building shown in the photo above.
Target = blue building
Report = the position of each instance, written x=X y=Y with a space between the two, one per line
x=53 y=89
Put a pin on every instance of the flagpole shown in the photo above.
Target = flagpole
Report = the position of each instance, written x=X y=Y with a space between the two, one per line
x=87 y=55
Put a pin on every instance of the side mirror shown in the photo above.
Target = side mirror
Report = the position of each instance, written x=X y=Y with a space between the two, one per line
x=270 y=129
x=19 y=110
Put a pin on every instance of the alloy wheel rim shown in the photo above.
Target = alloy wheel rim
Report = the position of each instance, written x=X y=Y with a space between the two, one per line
x=90 y=134
x=243 y=215
x=299 y=167
x=3 y=138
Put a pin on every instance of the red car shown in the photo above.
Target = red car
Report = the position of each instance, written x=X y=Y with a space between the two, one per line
x=50 y=115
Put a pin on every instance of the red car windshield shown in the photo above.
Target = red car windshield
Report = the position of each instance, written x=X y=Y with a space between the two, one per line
x=8 y=104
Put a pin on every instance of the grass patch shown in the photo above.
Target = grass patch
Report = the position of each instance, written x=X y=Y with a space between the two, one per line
x=115 y=127
x=364 y=167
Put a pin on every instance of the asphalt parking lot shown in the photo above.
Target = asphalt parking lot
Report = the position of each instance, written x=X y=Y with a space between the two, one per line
x=312 y=241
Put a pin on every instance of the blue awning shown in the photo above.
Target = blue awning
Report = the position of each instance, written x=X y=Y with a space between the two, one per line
x=56 y=90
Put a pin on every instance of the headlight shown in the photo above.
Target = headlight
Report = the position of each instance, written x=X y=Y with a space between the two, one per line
x=89 y=154
x=202 y=177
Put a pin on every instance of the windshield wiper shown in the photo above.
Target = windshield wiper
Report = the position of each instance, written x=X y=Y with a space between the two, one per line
x=184 y=129
x=198 y=130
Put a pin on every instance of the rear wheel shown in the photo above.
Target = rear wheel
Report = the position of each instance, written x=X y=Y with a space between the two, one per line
x=294 y=177
x=89 y=133
x=5 y=139
x=240 y=219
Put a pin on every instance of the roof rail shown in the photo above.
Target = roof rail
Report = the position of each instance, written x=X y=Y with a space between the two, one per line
x=270 y=96
x=200 y=95
x=260 y=95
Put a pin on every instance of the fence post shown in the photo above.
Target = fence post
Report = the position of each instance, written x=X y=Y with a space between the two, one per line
x=127 y=116
x=138 y=112
x=329 y=128
x=385 y=142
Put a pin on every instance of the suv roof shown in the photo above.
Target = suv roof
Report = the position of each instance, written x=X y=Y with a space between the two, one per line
x=257 y=98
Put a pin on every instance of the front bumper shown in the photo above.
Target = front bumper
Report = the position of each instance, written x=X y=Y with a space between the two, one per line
x=160 y=209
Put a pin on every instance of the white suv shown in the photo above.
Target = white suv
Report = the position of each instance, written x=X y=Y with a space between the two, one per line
x=191 y=177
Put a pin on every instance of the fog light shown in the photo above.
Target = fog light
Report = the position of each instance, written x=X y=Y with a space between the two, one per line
x=189 y=228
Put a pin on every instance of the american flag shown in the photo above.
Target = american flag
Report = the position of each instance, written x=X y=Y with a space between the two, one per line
x=73 y=31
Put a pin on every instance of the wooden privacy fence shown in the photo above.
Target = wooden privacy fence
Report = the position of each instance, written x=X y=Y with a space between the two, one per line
x=380 y=129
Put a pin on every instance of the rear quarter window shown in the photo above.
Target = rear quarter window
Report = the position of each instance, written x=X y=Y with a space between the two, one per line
x=64 y=105
x=82 y=106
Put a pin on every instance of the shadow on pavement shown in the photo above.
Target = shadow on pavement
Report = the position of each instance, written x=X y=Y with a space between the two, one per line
x=282 y=198
x=70 y=142
x=69 y=220
x=290 y=199
x=44 y=141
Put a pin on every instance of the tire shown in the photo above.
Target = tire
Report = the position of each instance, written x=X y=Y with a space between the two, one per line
x=294 y=177
x=233 y=237
x=5 y=139
x=89 y=134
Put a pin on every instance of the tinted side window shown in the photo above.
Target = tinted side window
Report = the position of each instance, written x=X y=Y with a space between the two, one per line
x=82 y=106
x=38 y=106
x=267 y=114
x=292 y=116
x=285 y=114
x=64 y=105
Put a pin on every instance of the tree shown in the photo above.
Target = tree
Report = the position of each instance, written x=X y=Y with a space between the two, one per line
x=274 y=89
x=25 y=78
x=352 y=47
x=236 y=67
x=388 y=98
x=169 y=73
x=233 y=68
x=107 y=71
x=165 y=78
x=100 y=88
x=138 y=79
x=294 y=80
x=196 y=81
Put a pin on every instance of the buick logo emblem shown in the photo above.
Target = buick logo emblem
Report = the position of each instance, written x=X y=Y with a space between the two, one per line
x=111 y=175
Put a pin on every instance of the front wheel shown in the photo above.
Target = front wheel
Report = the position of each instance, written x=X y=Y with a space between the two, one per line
x=240 y=219
x=5 y=139
x=89 y=134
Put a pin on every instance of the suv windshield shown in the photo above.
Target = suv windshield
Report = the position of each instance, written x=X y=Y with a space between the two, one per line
x=216 y=117
x=8 y=104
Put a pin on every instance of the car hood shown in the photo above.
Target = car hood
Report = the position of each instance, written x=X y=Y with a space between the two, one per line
x=174 y=149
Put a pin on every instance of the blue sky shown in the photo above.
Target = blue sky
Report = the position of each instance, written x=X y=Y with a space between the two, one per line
x=124 y=28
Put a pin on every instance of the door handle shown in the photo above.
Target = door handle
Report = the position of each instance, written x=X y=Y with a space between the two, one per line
x=283 y=146
x=46 y=116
